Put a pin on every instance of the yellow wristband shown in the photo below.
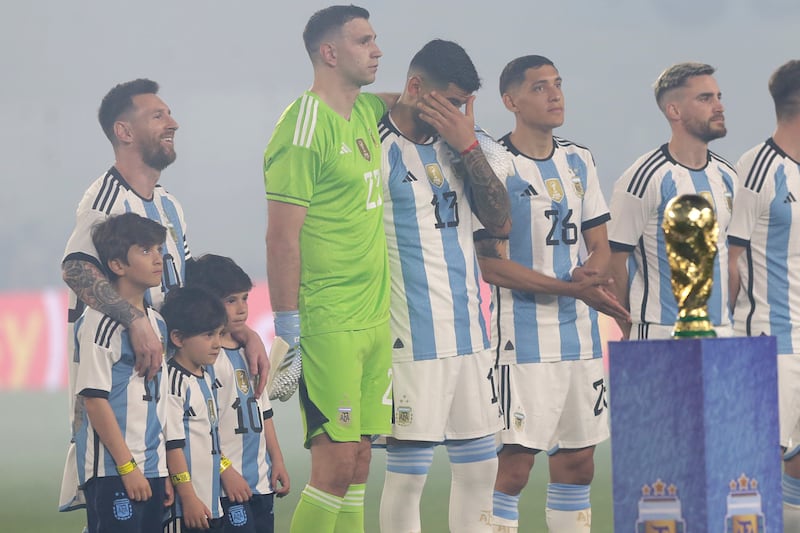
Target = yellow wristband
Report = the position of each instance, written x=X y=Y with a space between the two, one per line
x=224 y=463
x=127 y=468
x=183 y=477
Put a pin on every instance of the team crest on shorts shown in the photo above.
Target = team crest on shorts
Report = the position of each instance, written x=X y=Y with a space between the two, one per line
x=237 y=515
x=435 y=175
x=403 y=416
x=576 y=182
x=241 y=381
x=519 y=421
x=553 y=186
x=123 y=510
x=212 y=411
x=362 y=147
x=344 y=415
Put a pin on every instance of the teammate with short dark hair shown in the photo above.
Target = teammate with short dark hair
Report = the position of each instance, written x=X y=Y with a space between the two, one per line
x=549 y=276
x=439 y=190
x=765 y=263
x=326 y=264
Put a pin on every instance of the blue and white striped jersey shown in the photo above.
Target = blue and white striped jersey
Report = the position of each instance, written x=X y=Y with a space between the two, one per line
x=637 y=211
x=766 y=220
x=435 y=291
x=105 y=363
x=193 y=424
x=553 y=201
x=241 y=426
x=111 y=195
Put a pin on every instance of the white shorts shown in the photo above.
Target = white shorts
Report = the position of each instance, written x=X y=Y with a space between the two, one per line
x=552 y=406
x=789 y=400
x=445 y=399
x=646 y=330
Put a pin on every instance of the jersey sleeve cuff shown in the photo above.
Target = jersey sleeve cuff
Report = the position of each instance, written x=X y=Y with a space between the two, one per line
x=736 y=241
x=83 y=256
x=176 y=444
x=484 y=235
x=621 y=247
x=268 y=414
x=94 y=393
x=288 y=199
x=593 y=223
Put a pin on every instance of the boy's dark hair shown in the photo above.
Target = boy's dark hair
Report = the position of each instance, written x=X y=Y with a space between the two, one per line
x=219 y=275
x=119 y=100
x=328 y=20
x=784 y=86
x=444 y=62
x=514 y=72
x=114 y=237
x=192 y=311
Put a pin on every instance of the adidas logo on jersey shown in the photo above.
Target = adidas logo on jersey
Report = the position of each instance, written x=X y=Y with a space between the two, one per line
x=398 y=344
x=509 y=346
x=790 y=198
x=529 y=191
x=345 y=149
x=409 y=178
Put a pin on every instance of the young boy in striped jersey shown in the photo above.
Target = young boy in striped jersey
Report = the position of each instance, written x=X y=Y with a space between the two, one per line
x=120 y=416
x=247 y=432
x=690 y=99
x=546 y=335
x=195 y=320
x=765 y=263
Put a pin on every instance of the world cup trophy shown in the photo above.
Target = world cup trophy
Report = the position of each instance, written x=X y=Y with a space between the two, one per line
x=691 y=231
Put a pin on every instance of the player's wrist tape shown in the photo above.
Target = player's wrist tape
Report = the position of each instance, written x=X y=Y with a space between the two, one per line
x=470 y=148
x=287 y=326
x=182 y=477
x=127 y=468
x=224 y=463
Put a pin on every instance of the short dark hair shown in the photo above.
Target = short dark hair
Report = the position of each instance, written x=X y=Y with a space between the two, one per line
x=784 y=86
x=114 y=237
x=219 y=275
x=676 y=76
x=324 y=21
x=119 y=100
x=445 y=62
x=191 y=311
x=514 y=71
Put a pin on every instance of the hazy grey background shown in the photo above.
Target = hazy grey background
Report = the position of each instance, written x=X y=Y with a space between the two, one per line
x=229 y=68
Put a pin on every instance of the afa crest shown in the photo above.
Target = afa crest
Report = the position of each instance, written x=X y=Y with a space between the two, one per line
x=237 y=515
x=519 y=421
x=744 y=510
x=554 y=189
x=362 y=147
x=577 y=184
x=434 y=173
x=660 y=509
x=242 y=381
x=403 y=416
x=344 y=416
x=123 y=510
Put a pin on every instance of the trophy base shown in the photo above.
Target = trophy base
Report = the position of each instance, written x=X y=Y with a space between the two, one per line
x=693 y=327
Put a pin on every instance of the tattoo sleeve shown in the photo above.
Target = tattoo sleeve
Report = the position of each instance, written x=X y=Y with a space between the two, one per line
x=489 y=248
x=490 y=199
x=94 y=289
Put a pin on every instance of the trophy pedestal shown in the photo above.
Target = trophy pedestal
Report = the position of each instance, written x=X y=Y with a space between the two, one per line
x=695 y=442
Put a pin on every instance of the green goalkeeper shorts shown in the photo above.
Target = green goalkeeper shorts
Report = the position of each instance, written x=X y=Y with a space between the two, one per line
x=346 y=386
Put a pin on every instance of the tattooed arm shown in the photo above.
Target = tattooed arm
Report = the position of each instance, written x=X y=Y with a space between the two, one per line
x=489 y=197
x=93 y=288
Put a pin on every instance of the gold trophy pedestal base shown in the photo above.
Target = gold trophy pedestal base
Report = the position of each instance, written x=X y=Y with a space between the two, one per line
x=690 y=327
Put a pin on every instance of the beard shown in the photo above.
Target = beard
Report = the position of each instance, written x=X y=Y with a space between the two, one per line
x=707 y=131
x=157 y=156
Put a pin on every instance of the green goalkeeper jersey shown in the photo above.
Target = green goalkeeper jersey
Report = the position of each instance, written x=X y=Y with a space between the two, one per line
x=332 y=166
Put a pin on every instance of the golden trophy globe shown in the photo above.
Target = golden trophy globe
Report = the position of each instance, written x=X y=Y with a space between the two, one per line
x=691 y=231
